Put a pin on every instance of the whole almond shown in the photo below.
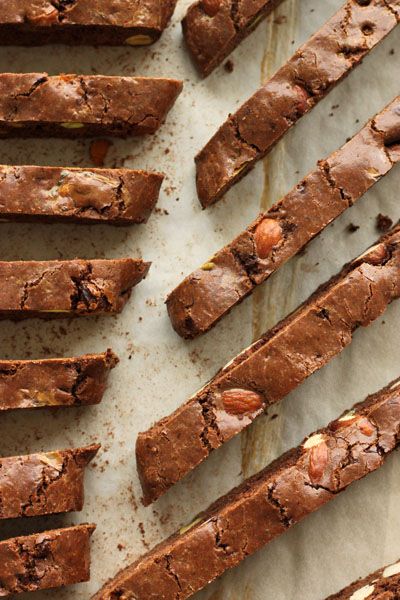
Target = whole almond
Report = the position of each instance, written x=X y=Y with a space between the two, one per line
x=318 y=461
x=267 y=235
x=239 y=402
x=211 y=7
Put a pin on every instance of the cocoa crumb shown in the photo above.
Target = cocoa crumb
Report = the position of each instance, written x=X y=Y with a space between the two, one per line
x=229 y=66
x=352 y=228
x=280 y=19
x=383 y=222
x=121 y=547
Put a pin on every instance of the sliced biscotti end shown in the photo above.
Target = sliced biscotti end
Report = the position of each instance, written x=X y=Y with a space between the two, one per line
x=60 y=288
x=51 y=559
x=55 y=382
x=207 y=294
x=44 y=483
x=56 y=194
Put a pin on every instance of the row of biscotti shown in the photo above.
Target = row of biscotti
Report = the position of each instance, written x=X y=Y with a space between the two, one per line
x=48 y=483
x=35 y=104
x=268 y=504
x=43 y=484
x=338 y=181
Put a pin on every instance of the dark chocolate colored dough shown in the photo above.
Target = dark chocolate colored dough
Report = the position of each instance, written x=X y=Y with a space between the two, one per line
x=45 y=560
x=322 y=62
x=48 y=194
x=55 y=382
x=76 y=106
x=132 y=22
x=270 y=368
x=213 y=28
x=44 y=483
x=211 y=291
x=67 y=288
x=266 y=505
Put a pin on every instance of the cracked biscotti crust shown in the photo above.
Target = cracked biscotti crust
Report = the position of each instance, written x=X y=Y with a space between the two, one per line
x=211 y=291
x=55 y=382
x=131 y=22
x=213 y=28
x=72 y=195
x=299 y=345
x=266 y=505
x=322 y=62
x=68 y=288
x=44 y=483
x=51 y=559
x=384 y=584
x=75 y=106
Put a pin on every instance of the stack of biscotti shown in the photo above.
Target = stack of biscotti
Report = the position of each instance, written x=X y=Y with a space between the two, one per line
x=69 y=106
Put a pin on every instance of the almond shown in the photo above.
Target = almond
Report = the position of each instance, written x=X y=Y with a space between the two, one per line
x=318 y=461
x=267 y=235
x=366 y=427
x=211 y=7
x=344 y=421
x=239 y=402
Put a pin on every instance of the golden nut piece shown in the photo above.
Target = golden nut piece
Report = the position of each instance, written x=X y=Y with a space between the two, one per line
x=239 y=402
x=211 y=7
x=139 y=40
x=267 y=235
x=209 y=266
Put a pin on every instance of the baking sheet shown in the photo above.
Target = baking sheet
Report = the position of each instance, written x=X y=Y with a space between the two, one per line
x=360 y=530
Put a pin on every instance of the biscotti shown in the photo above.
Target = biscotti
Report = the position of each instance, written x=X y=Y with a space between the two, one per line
x=35 y=104
x=51 y=194
x=213 y=28
x=51 y=559
x=43 y=484
x=28 y=23
x=55 y=382
x=298 y=346
x=384 y=584
x=67 y=288
x=323 y=61
x=234 y=272
x=266 y=505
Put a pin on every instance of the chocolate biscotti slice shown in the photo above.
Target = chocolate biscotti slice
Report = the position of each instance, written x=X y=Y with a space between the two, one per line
x=270 y=368
x=75 y=106
x=211 y=291
x=55 y=382
x=132 y=22
x=67 y=288
x=266 y=505
x=71 y=195
x=44 y=483
x=384 y=584
x=322 y=62
x=51 y=559
x=213 y=28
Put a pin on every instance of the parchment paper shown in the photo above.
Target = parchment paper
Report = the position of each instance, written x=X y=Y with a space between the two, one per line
x=357 y=532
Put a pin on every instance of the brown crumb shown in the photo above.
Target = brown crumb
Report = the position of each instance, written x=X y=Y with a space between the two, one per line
x=121 y=547
x=273 y=417
x=229 y=66
x=98 y=151
x=351 y=228
x=281 y=19
x=383 y=222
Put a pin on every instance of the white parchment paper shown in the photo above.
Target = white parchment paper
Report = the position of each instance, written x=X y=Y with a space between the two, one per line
x=360 y=530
